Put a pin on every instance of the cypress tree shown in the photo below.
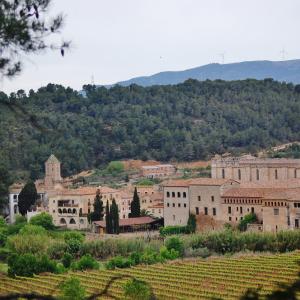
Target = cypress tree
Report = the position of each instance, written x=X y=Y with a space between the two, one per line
x=114 y=213
x=27 y=197
x=97 y=214
x=107 y=218
x=135 y=205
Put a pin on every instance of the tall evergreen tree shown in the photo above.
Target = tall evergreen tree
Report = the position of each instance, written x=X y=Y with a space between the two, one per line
x=107 y=218
x=5 y=181
x=27 y=197
x=97 y=214
x=135 y=205
x=114 y=215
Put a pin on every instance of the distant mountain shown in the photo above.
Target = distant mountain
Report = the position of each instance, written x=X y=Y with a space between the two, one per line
x=288 y=71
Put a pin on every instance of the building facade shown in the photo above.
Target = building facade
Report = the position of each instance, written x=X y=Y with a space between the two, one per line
x=251 y=169
x=158 y=171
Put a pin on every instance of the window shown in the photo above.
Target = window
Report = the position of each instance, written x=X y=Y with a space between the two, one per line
x=257 y=174
x=53 y=211
x=168 y=204
x=276 y=211
x=179 y=205
x=197 y=210
x=199 y=198
x=276 y=174
x=212 y=198
x=53 y=201
x=173 y=217
x=239 y=174
x=178 y=194
x=15 y=197
x=241 y=218
x=252 y=210
x=184 y=194
x=229 y=218
x=168 y=194
x=296 y=223
x=295 y=173
x=223 y=173
x=184 y=204
x=214 y=211
x=229 y=209
x=206 y=211
x=241 y=209
x=173 y=204
x=173 y=194
x=237 y=209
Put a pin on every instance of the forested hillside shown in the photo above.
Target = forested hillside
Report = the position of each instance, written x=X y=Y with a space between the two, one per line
x=188 y=121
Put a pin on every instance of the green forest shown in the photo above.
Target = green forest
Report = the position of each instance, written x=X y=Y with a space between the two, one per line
x=184 y=122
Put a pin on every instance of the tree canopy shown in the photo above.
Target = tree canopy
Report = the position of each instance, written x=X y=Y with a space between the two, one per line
x=189 y=121
x=27 y=198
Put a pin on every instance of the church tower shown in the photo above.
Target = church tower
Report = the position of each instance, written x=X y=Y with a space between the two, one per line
x=52 y=172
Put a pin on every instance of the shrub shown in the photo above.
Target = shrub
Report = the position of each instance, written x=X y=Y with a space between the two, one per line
x=67 y=260
x=43 y=219
x=44 y=264
x=60 y=269
x=71 y=289
x=168 y=254
x=3 y=236
x=248 y=219
x=56 y=250
x=150 y=257
x=22 y=265
x=86 y=262
x=74 y=235
x=4 y=254
x=171 y=230
x=119 y=262
x=136 y=290
x=200 y=252
x=115 y=167
x=33 y=230
x=2 y=222
x=28 y=243
x=175 y=243
x=73 y=246
x=19 y=219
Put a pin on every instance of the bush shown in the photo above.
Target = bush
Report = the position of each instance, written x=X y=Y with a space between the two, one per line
x=3 y=236
x=248 y=219
x=71 y=289
x=56 y=250
x=44 y=264
x=168 y=254
x=115 y=167
x=43 y=219
x=119 y=262
x=73 y=246
x=33 y=230
x=171 y=230
x=20 y=220
x=22 y=265
x=67 y=260
x=176 y=244
x=136 y=290
x=4 y=254
x=28 y=243
x=86 y=262
x=150 y=257
x=74 y=235
x=200 y=252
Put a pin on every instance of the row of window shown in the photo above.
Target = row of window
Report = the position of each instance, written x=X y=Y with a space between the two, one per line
x=212 y=198
x=178 y=195
x=275 y=204
x=296 y=205
x=257 y=174
x=244 y=201
x=173 y=204
x=214 y=211
x=240 y=209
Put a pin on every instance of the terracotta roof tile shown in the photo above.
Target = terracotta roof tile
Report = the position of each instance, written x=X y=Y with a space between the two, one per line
x=129 y=222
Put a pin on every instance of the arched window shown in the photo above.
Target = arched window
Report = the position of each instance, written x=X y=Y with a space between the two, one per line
x=257 y=174
x=223 y=173
x=184 y=194
x=64 y=211
x=81 y=221
x=59 y=211
x=72 y=221
x=62 y=221
x=74 y=211
x=276 y=174
x=239 y=174
x=168 y=194
x=80 y=211
x=69 y=211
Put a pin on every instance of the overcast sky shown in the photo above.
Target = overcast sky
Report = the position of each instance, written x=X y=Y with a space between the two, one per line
x=116 y=40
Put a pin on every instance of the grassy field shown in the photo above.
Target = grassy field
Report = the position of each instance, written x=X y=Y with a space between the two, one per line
x=215 y=278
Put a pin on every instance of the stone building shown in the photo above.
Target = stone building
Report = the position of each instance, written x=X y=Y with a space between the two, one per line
x=252 y=169
x=158 y=171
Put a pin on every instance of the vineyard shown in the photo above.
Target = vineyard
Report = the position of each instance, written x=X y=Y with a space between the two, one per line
x=217 y=278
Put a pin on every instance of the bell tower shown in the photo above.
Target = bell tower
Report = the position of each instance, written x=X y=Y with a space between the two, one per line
x=52 y=171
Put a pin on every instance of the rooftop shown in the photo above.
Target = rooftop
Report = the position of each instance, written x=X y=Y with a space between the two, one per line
x=52 y=159
x=198 y=181
x=129 y=222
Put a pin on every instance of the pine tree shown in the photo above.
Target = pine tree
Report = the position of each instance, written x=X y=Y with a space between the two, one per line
x=114 y=214
x=107 y=218
x=27 y=197
x=97 y=214
x=135 y=205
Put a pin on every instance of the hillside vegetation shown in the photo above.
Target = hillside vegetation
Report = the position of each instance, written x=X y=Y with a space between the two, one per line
x=183 y=122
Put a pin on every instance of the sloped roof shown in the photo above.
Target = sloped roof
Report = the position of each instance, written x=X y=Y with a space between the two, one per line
x=197 y=181
x=52 y=159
